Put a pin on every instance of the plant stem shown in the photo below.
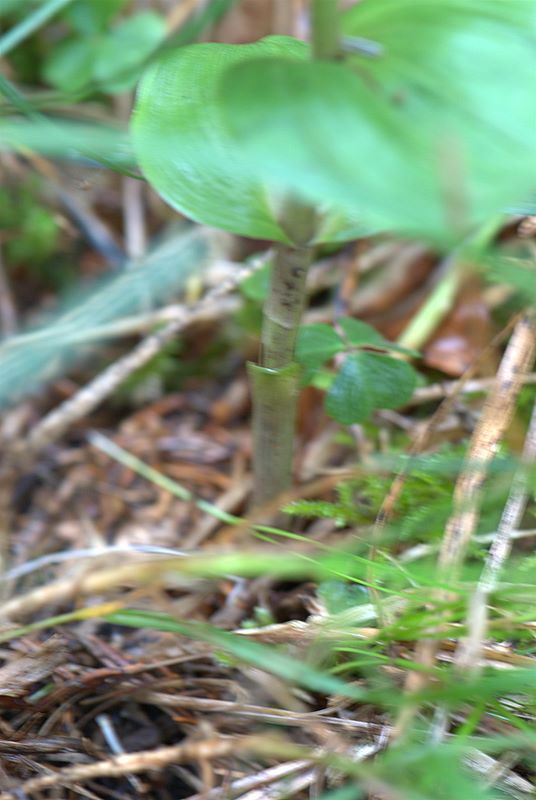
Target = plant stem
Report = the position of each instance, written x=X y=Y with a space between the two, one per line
x=325 y=33
x=275 y=382
x=284 y=305
x=275 y=395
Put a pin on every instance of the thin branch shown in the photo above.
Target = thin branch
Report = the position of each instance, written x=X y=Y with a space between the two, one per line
x=141 y=761
x=494 y=421
x=468 y=654
x=87 y=399
x=8 y=310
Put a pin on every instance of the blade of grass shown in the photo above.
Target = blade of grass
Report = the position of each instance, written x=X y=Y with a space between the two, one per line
x=30 y=24
x=259 y=655
x=12 y=94
x=90 y=612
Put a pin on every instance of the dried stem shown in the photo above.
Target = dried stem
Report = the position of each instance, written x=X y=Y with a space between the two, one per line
x=468 y=654
x=90 y=396
x=132 y=763
x=496 y=417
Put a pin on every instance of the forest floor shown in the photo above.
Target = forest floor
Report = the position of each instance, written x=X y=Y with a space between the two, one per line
x=159 y=640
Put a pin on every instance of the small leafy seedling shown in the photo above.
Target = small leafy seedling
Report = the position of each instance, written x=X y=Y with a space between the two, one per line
x=99 y=54
x=369 y=377
x=399 y=116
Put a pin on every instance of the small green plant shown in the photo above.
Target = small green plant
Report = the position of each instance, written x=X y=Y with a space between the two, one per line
x=29 y=229
x=98 y=54
x=399 y=116
x=369 y=377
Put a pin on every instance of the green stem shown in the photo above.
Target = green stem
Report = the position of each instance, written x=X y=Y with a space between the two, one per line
x=275 y=396
x=284 y=305
x=326 y=39
x=275 y=382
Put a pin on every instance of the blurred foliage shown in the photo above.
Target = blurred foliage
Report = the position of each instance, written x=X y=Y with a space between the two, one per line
x=29 y=229
x=98 y=55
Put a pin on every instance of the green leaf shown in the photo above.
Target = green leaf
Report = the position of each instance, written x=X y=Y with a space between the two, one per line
x=359 y=334
x=123 y=51
x=70 y=65
x=89 y=17
x=317 y=344
x=519 y=274
x=111 y=60
x=188 y=156
x=428 y=139
x=427 y=770
x=367 y=381
x=340 y=596
x=255 y=286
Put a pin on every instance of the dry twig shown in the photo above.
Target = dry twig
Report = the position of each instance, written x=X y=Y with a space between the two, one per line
x=133 y=763
x=496 y=416
x=88 y=398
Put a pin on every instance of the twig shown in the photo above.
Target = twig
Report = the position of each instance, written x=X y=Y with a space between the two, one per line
x=85 y=552
x=423 y=550
x=496 y=416
x=281 y=716
x=92 y=227
x=127 y=326
x=88 y=398
x=132 y=195
x=140 y=762
x=8 y=311
x=439 y=391
x=112 y=740
x=250 y=782
x=469 y=650
x=419 y=444
x=505 y=778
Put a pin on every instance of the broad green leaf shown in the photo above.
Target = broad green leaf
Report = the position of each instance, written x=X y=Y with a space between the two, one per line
x=317 y=344
x=188 y=156
x=429 y=138
x=367 y=381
